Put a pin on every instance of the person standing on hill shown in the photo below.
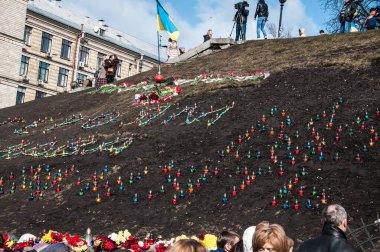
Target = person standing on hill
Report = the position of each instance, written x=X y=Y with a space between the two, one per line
x=241 y=17
x=172 y=50
x=208 y=36
x=262 y=13
x=101 y=73
x=111 y=68
x=346 y=16
x=371 y=21
x=332 y=239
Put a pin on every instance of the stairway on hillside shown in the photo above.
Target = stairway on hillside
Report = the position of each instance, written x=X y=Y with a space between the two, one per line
x=208 y=47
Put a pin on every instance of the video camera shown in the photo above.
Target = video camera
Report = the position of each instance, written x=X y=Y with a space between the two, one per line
x=241 y=5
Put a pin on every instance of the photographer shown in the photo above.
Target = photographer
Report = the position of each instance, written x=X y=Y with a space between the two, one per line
x=240 y=19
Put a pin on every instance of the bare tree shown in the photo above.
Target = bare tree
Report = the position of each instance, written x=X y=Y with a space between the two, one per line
x=272 y=29
x=333 y=8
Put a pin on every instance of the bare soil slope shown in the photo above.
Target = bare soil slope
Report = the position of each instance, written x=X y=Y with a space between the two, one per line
x=329 y=79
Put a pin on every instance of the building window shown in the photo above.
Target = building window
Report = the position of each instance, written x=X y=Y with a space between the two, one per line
x=118 y=70
x=63 y=77
x=130 y=69
x=40 y=94
x=24 y=65
x=81 y=78
x=46 y=42
x=27 y=35
x=43 y=72
x=20 y=95
x=102 y=32
x=99 y=60
x=83 y=55
x=65 y=49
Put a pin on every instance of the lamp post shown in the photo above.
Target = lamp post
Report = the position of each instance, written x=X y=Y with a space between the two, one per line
x=282 y=2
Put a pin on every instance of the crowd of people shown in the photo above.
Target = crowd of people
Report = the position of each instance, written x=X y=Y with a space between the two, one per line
x=272 y=237
x=347 y=18
x=263 y=237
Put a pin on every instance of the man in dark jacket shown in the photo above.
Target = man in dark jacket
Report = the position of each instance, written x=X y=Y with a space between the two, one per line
x=263 y=13
x=347 y=15
x=332 y=239
x=240 y=19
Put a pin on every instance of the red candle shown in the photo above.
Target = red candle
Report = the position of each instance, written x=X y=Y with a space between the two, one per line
x=174 y=200
x=242 y=186
x=150 y=195
x=274 y=202
x=296 y=206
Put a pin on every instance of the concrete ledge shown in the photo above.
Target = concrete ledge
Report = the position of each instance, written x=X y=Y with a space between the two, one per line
x=212 y=45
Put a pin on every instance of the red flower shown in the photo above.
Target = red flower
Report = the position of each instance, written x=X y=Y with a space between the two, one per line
x=201 y=237
x=135 y=247
x=74 y=240
x=57 y=237
x=178 y=90
x=146 y=245
x=109 y=245
x=153 y=96
x=21 y=245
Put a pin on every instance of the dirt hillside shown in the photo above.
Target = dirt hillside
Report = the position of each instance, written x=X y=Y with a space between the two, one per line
x=311 y=126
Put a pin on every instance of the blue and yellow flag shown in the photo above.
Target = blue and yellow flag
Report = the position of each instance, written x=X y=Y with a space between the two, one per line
x=165 y=23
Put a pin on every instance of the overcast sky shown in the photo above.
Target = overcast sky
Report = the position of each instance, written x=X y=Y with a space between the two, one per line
x=194 y=17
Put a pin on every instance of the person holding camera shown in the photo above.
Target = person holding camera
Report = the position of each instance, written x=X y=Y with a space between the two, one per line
x=240 y=20
x=263 y=13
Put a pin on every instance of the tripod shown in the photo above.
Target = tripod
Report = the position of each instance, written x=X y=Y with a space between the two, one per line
x=238 y=21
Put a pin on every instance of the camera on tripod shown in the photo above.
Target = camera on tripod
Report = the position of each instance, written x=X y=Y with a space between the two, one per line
x=241 y=5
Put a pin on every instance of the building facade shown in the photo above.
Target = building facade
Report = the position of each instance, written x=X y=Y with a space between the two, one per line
x=48 y=48
x=11 y=44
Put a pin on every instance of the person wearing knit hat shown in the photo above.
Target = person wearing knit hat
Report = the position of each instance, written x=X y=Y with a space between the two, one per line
x=247 y=238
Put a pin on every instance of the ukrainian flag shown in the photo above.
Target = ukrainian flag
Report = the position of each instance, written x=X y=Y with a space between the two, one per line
x=165 y=23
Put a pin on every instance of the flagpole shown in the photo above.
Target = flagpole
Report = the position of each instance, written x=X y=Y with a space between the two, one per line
x=158 y=44
x=158 y=50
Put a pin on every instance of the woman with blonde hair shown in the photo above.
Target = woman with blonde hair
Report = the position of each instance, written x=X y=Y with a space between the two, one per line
x=188 y=245
x=269 y=237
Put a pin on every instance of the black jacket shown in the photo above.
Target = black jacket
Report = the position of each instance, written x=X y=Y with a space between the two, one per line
x=348 y=12
x=332 y=239
x=206 y=37
x=262 y=9
x=241 y=16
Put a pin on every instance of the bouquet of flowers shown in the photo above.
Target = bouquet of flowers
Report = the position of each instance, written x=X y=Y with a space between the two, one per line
x=52 y=237
x=76 y=243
